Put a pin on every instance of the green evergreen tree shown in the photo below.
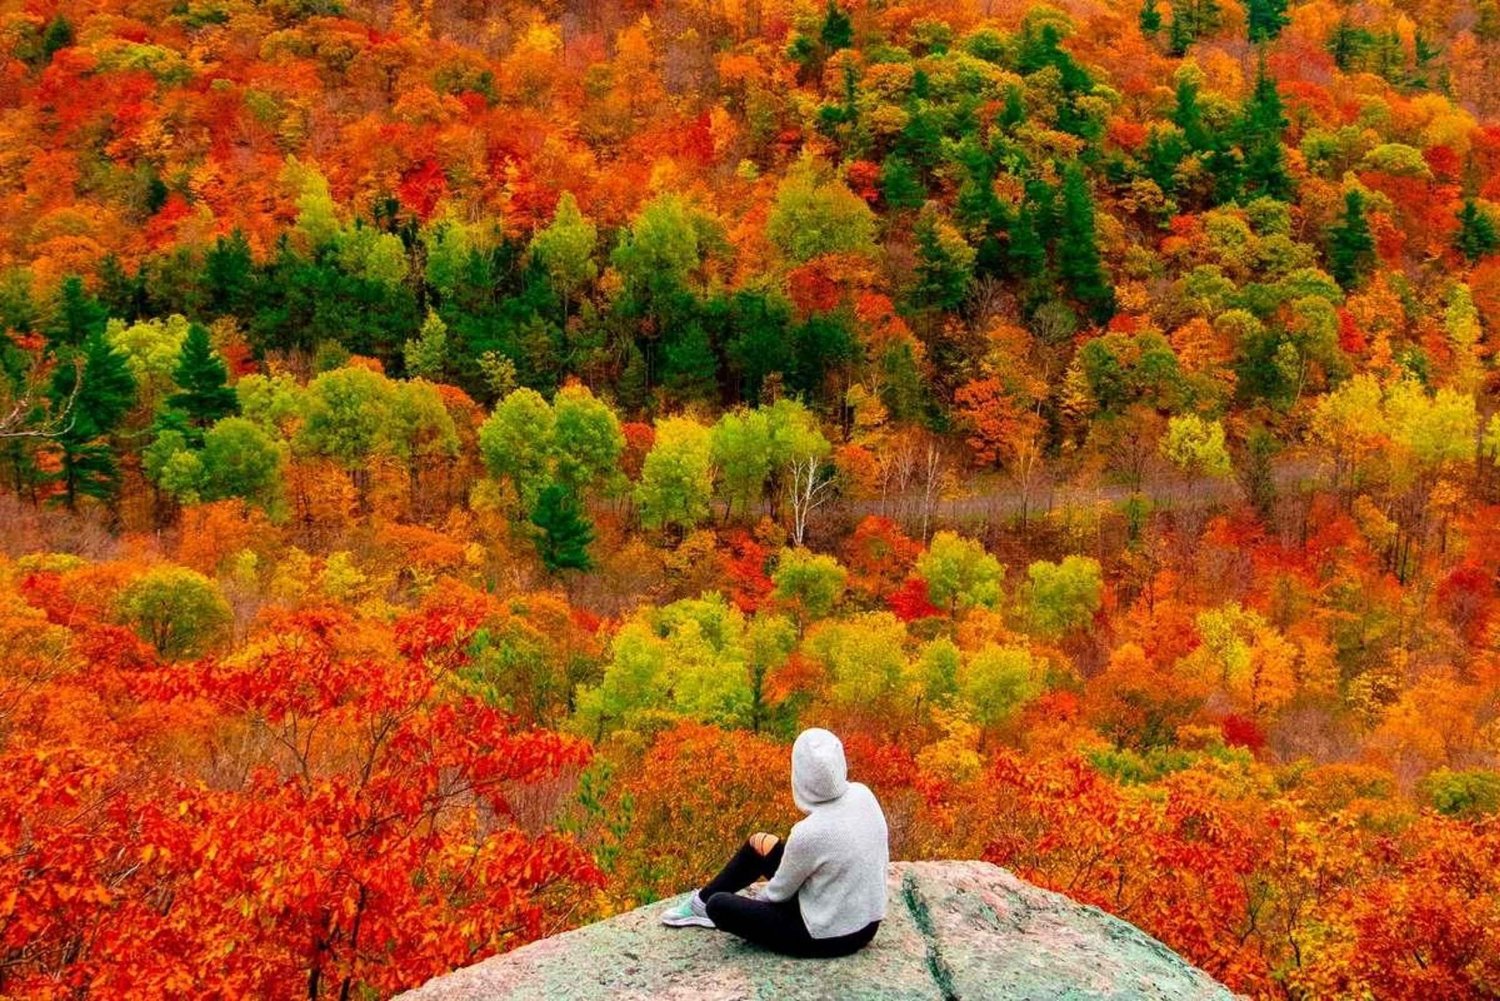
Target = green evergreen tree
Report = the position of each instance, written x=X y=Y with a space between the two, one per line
x=976 y=204
x=899 y=184
x=1265 y=19
x=1257 y=473
x=1191 y=20
x=822 y=344
x=121 y=294
x=1078 y=261
x=76 y=317
x=1026 y=253
x=156 y=191
x=1383 y=54
x=979 y=210
x=945 y=265
x=1351 y=249
x=58 y=35
x=1041 y=47
x=1344 y=44
x=759 y=344
x=174 y=284
x=1261 y=127
x=802 y=50
x=689 y=366
x=1476 y=232
x=921 y=141
x=1149 y=19
x=205 y=395
x=229 y=274
x=1187 y=115
x=564 y=531
x=1180 y=34
x=1163 y=154
x=94 y=394
x=837 y=31
x=1014 y=112
x=426 y=355
x=1426 y=52
x=634 y=385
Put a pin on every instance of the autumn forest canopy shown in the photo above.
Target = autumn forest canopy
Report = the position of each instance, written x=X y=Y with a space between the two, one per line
x=448 y=450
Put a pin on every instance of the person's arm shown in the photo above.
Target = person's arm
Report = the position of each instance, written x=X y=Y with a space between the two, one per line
x=798 y=860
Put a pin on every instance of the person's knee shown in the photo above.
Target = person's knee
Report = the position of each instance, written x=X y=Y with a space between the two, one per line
x=763 y=843
x=717 y=907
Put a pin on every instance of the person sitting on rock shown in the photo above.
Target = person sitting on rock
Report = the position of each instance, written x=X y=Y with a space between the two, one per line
x=826 y=892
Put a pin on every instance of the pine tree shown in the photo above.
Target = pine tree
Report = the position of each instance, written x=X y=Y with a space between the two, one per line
x=1163 y=153
x=921 y=141
x=57 y=36
x=689 y=365
x=565 y=533
x=837 y=31
x=1257 y=472
x=1180 y=34
x=945 y=265
x=1266 y=19
x=1078 y=261
x=1349 y=45
x=1476 y=232
x=634 y=384
x=1187 y=115
x=1343 y=44
x=978 y=209
x=1261 y=127
x=205 y=396
x=1026 y=254
x=93 y=407
x=1014 y=112
x=228 y=273
x=899 y=185
x=156 y=192
x=1149 y=19
x=121 y=294
x=1191 y=20
x=76 y=317
x=1351 y=249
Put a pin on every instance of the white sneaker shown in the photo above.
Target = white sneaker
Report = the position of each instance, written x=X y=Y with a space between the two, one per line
x=689 y=914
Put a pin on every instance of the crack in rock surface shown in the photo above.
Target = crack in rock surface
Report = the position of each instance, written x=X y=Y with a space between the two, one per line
x=954 y=931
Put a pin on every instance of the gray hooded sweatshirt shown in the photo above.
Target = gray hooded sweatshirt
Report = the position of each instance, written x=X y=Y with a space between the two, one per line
x=835 y=858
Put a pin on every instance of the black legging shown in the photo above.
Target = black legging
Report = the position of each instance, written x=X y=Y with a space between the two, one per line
x=775 y=926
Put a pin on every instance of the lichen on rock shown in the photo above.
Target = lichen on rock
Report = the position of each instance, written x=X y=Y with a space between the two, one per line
x=956 y=931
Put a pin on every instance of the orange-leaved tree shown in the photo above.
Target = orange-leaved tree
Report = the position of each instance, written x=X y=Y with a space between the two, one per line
x=325 y=811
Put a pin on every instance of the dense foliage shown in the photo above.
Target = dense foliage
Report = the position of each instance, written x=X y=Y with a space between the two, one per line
x=449 y=450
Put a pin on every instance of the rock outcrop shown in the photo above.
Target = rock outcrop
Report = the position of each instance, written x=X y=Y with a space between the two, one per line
x=956 y=931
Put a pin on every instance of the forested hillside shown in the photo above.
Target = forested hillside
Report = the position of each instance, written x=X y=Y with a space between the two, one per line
x=447 y=450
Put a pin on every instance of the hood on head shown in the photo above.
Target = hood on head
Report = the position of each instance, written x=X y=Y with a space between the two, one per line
x=819 y=771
